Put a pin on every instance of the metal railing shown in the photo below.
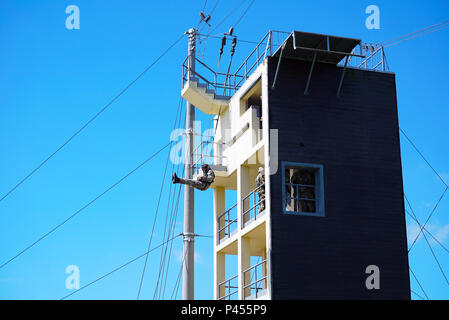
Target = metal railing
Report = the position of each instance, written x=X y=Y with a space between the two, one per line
x=228 y=294
x=230 y=83
x=216 y=81
x=227 y=224
x=368 y=56
x=251 y=204
x=258 y=284
x=266 y=47
x=205 y=153
x=373 y=57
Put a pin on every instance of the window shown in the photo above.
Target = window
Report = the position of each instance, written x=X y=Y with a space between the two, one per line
x=252 y=98
x=303 y=189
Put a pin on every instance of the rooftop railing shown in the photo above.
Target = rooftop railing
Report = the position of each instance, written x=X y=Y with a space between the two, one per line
x=373 y=58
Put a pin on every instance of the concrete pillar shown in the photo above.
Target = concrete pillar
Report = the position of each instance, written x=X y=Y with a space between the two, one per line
x=243 y=188
x=219 y=258
x=219 y=209
x=244 y=262
x=264 y=268
x=219 y=275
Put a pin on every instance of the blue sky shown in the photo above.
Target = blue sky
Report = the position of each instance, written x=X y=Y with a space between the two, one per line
x=53 y=80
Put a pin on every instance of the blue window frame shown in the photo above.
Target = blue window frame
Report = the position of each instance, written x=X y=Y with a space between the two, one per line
x=303 y=189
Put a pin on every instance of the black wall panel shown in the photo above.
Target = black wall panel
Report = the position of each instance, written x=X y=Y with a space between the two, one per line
x=356 y=139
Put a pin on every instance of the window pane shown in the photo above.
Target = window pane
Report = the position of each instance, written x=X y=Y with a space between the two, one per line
x=301 y=188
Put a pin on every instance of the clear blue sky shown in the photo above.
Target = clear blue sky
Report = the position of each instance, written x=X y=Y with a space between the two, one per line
x=52 y=80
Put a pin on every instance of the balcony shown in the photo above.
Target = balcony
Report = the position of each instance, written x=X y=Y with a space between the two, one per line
x=251 y=206
x=255 y=280
x=209 y=152
x=229 y=289
x=227 y=224
x=255 y=284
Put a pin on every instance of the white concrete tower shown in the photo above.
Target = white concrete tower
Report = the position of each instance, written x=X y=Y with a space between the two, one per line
x=239 y=148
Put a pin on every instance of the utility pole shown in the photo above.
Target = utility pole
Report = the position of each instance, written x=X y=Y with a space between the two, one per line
x=189 y=248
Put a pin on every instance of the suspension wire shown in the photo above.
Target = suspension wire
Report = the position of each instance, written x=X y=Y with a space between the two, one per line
x=170 y=207
x=117 y=269
x=178 y=279
x=424 y=158
x=427 y=241
x=219 y=36
x=229 y=14
x=91 y=119
x=416 y=34
x=439 y=176
x=241 y=17
x=429 y=233
x=223 y=44
x=162 y=258
x=85 y=206
x=161 y=295
x=165 y=265
x=172 y=224
x=428 y=218
x=208 y=27
x=412 y=33
x=234 y=44
x=419 y=296
x=419 y=283
x=178 y=115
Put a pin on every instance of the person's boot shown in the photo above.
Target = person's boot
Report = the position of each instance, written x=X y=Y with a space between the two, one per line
x=174 y=178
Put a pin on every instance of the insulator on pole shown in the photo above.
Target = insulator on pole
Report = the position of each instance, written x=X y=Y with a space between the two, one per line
x=223 y=43
x=234 y=44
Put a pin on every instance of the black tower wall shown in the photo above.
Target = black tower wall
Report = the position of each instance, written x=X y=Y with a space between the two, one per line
x=356 y=139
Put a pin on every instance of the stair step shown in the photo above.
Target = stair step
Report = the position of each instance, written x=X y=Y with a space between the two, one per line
x=221 y=97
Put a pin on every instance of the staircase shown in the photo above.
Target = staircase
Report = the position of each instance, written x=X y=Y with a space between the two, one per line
x=204 y=98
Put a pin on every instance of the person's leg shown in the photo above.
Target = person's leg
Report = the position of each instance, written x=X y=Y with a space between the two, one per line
x=262 y=202
x=193 y=183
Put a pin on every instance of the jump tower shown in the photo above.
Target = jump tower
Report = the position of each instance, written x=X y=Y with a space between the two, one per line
x=301 y=104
